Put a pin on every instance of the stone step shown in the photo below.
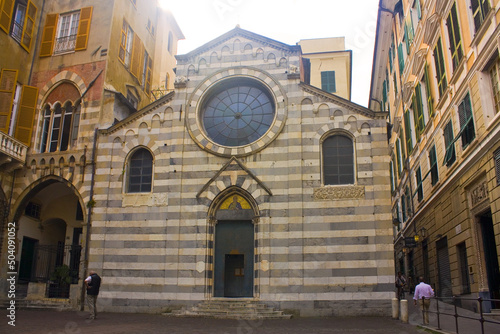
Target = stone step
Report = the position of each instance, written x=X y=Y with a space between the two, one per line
x=231 y=309
x=47 y=303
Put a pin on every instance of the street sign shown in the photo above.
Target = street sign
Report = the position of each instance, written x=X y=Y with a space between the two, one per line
x=410 y=242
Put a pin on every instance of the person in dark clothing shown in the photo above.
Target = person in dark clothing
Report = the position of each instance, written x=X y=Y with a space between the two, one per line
x=93 y=283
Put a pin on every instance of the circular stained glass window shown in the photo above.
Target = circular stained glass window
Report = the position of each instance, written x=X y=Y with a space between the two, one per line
x=237 y=112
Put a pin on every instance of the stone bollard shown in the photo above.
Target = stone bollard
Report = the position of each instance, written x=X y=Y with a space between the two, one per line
x=404 y=311
x=395 y=308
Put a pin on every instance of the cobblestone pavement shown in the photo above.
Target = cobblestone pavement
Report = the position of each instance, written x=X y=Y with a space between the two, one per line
x=69 y=322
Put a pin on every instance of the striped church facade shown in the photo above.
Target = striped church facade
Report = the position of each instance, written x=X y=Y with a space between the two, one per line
x=255 y=220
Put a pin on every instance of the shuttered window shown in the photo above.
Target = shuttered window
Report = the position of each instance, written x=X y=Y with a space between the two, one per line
x=409 y=142
x=401 y=58
x=8 y=81
x=449 y=143
x=466 y=121
x=328 y=81
x=66 y=32
x=82 y=36
x=418 y=111
x=433 y=165
x=126 y=43
x=149 y=74
x=6 y=14
x=137 y=53
x=48 y=36
x=428 y=92
x=29 y=25
x=454 y=36
x=440 y=68
x=398 y=155
x=420 y=189
x=496 y=156
x=26 y=115
x=480 y=8
x=495 y=83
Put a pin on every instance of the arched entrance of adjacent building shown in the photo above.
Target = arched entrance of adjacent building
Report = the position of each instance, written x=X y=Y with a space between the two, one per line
x=49 y=217
x=235 y=213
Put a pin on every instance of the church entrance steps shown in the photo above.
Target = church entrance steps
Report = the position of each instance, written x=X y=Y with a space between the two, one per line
x=231 y=309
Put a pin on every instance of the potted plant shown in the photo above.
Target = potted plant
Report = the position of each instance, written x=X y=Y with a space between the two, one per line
x=61 y=279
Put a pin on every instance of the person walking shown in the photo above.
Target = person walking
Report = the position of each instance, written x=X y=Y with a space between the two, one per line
x=423 y=293
x=93 y=283
x=400 y=284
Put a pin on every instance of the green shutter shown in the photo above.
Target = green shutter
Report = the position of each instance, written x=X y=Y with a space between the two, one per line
x=466 y=121
x=401 y=58
x=449 y=157
x=398 y=154
x=433 y=165
x=409 y=143
x=440 y=68
x=428 y=92
x=454 y=36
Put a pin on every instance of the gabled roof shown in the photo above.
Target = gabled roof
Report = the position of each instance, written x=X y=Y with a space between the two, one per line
x=342 y=102
x=237 y=31
x=147 y=109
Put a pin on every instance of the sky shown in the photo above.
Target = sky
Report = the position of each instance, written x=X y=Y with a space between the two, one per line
x=287 y=21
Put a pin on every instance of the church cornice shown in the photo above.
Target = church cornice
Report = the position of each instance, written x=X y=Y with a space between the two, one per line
x=140 y=113
x=241 y=33
x=342 y=102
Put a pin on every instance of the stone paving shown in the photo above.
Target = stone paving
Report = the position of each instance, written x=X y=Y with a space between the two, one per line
x=70 y=322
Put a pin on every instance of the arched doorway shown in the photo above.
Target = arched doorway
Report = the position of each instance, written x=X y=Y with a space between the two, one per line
x=49 y=217
x=234 y=245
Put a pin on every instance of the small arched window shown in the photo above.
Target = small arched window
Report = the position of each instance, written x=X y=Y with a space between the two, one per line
x=338 y=160
x=140 y=172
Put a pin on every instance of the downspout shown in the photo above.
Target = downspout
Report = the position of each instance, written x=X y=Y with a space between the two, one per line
x=36 y=44
x=89 y=218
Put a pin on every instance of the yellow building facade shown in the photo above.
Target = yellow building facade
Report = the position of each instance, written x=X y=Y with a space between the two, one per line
x=436 y=70
x=330 y=64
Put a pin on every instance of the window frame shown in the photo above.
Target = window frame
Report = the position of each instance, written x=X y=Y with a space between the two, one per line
x=442 y=81
x=433 y=166
x=496 y=158
x=326 y=180
x=63 y=137
x=454 y=36
x=466 y=120
x=131 y=174
x=481 y=11
x=420 y=188
x=328 y=83
x=449 y=144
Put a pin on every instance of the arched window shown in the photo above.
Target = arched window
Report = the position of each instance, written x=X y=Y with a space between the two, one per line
x=338 y=160
x=59 y=127
x=140 y=172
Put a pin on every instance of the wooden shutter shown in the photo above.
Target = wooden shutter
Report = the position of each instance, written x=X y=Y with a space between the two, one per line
x=6 y=15
x=8 y=81
x=82 y=36
x=135 y=62
x=149 y=71
x=123 y=42
x=28 y=27
x=496 y=156
x=48 y=36
x=27 y=107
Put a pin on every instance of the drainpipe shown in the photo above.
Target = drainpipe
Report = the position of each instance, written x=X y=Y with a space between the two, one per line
x=89 y=219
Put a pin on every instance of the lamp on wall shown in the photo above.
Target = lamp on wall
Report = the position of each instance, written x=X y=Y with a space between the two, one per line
x=421 y=235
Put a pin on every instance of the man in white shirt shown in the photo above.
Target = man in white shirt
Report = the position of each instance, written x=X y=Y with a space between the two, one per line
x=423 y=293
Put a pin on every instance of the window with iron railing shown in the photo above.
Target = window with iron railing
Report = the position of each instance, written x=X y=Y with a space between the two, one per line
x=67 y=31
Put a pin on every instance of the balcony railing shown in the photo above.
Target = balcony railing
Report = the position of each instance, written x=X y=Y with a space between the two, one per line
x=12 y=149
x=65 y=44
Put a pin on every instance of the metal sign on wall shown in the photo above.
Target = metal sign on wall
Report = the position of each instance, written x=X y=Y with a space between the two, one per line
x=410 y=242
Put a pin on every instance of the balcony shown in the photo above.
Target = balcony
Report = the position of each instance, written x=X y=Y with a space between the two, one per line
x=12 y=153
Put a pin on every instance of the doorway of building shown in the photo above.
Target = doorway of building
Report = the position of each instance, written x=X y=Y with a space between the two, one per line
x=233 y=262
x=490 y=256
x=444 y=273
x=27 y=258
